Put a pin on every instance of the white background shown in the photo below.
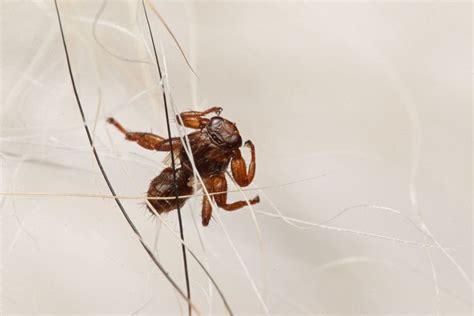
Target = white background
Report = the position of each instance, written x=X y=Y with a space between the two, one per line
x=348 y=104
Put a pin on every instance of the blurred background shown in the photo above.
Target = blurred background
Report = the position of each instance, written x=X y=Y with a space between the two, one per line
x=361 y=117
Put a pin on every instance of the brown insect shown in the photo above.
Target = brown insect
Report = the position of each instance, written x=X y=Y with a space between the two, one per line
x=214 y=146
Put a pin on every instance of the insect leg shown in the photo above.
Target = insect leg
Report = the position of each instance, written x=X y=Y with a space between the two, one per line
x=239 y=169
x=195 y=119
x=219 y=184
x=147 y=140
x=206 y=212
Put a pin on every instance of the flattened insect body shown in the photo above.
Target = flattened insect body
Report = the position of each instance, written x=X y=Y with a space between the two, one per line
x=214 y=147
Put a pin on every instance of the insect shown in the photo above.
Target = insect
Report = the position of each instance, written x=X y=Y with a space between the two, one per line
x=214 y=146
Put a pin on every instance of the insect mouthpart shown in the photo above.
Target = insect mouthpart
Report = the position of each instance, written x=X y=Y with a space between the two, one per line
x=217 y=138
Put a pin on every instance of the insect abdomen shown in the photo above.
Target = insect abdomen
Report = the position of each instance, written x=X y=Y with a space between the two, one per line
x=163 y=186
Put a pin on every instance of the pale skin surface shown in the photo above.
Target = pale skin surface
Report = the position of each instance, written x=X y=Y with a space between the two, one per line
x=214 y=179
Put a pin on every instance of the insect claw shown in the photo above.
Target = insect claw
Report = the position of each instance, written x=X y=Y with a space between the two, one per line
x=248 y=143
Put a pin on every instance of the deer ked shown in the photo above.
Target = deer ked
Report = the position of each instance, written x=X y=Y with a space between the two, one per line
x=214 y=146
